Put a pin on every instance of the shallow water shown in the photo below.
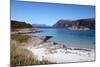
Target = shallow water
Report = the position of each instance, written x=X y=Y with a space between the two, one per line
x=71 y=38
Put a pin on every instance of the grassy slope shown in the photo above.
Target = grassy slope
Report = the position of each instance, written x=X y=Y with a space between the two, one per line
x=21 y=56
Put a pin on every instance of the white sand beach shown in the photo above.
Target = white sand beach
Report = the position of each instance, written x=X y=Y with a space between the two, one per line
x=59 y=54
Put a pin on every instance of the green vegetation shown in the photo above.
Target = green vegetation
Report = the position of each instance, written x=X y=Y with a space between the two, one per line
x=19 y=25
x=20 y=56
x=20 y=37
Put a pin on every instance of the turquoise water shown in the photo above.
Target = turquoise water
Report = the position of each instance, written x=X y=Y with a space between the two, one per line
x=71 y=38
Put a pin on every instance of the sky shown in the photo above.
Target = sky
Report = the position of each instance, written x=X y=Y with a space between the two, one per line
x=49 y=13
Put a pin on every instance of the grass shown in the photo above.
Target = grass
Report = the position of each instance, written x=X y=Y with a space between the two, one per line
x=20 y=56
x=20 y=37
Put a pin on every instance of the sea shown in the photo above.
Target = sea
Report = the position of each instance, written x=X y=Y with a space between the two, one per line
x=70 y=38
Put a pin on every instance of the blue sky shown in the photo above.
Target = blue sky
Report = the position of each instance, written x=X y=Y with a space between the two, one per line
x=49 y=14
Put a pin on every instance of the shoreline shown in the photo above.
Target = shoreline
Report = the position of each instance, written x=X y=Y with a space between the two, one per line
x=26 y=30
x=54 y=52
x=58 y=53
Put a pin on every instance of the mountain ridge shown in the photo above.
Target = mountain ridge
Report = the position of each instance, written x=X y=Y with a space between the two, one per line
x=76 y=24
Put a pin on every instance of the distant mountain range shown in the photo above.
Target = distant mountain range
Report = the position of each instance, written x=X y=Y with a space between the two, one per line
x=41 y=26
x=81 y=24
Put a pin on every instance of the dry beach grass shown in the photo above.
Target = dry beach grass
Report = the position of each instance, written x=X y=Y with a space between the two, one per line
x=19 y=54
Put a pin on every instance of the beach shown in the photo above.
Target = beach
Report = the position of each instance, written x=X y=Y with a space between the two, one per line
x=52 y=52
x=58 y=53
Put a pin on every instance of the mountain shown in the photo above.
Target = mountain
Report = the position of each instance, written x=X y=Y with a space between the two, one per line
x=41 y=26
x=19 y=25
x=80 y=24
x=90 y=23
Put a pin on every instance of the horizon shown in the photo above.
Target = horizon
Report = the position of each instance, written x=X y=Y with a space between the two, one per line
x=49 y=13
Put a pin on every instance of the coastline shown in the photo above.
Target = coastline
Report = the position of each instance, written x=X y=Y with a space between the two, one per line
x=58 y=53
x=25 y=30
x=44 y=49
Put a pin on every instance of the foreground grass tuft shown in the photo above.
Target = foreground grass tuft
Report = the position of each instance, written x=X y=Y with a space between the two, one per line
x=20 y=56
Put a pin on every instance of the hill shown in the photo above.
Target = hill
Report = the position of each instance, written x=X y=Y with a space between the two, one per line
x=19 y=25
x=79 y=24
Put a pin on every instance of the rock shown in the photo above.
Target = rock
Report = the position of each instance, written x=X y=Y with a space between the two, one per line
x=46 y=38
